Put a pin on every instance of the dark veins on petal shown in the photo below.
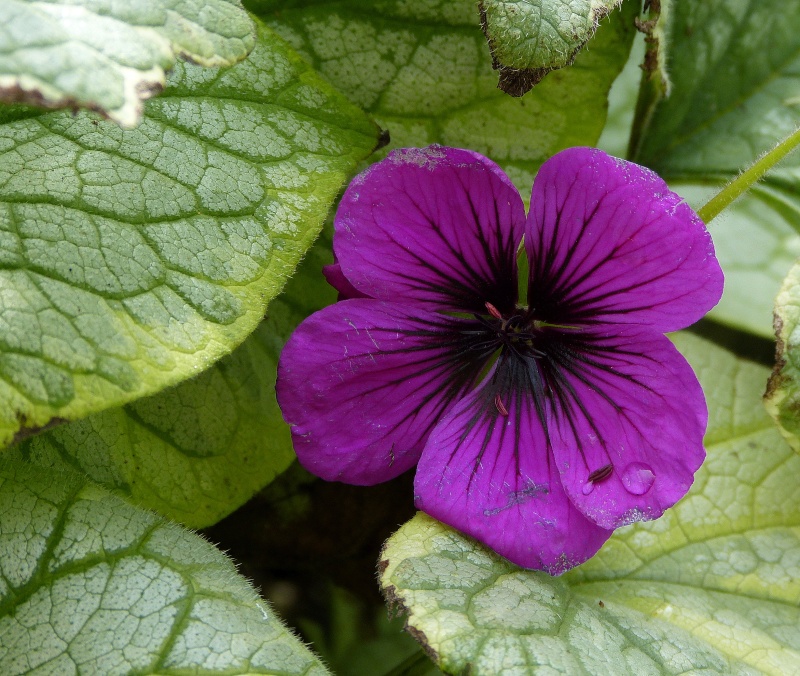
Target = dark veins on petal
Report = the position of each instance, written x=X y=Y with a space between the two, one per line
x=582 y=358
x=554 y=284
x=538 y=363
x=452 y=350
x=463 y=283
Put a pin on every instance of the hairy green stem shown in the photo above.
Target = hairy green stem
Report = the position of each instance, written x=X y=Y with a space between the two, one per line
x=742 y=183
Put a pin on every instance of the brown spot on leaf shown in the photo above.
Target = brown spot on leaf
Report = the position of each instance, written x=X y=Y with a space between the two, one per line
x=394 y=605
x=384 y=139
x=33 y=97
x=147 y=90
x=518 y=81
x=419 y=637
x=25 y=432
x=777 y=379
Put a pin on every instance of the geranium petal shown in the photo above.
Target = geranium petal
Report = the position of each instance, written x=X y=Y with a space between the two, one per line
x=435 y=226
x=608 y=241
x=363 y=382
x=335 y=277
x=628 y=433
x=491 y=476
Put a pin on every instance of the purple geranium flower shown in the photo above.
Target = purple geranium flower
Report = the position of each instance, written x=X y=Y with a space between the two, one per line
x=536 y=428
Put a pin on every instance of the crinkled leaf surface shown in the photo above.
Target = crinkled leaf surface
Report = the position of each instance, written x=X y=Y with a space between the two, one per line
x=91 y=584
x=109 y=56
x=197 y=451
x=422 y=69
x=782 y=398
x=734 y=66
x=529 y=38
x=711 y=587
x=132 y=260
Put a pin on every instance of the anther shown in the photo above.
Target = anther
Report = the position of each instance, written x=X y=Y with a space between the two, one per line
x=498 y=402
x=493 y=310
x=601 y=474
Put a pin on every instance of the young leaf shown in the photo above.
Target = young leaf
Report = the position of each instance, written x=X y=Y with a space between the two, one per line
x=221 y=434
x=530 y=38
x=109 y=57
x=423 y=71
x=735 y=89
x=91 y=584
x=132 y=260
x=712 y=586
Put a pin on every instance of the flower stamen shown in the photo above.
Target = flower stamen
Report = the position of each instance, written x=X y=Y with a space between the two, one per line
x=500 y=406
x=601 y=474
x=493 y=310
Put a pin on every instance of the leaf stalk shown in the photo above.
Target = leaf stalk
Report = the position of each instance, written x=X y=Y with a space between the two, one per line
x=744 y=181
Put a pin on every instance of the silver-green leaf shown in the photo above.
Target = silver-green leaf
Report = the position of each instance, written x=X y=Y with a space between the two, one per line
x=423 y=71
x=131 y=260
x=91 y=584
x=221 y=434
x=109 y=56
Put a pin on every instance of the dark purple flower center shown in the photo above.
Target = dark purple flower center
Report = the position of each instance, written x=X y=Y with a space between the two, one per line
x=517 y=333
x=524 y=349
x=536 y=362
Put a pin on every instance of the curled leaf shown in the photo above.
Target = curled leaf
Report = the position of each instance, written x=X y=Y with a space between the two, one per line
x=110 y=57
x=530 y=38
x=782 y=398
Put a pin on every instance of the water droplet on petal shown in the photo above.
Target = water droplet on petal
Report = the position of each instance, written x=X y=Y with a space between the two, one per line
x=588 y=487
x=638 y=478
